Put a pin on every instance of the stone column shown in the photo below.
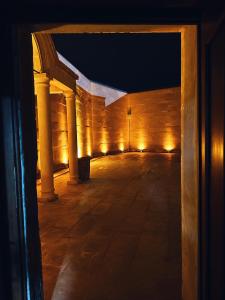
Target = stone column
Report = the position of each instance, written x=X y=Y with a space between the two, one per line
x=45 y=136
x=72 y=136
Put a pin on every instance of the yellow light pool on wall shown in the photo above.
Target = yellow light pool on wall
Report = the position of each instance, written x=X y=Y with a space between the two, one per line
x=104 y=148
x=64 y=157
x=169 y=148
x=88 y=146
x=121 y=147
x=169 y=143
x=218 y=151
x=141 y=147
x=89 y=152
x=79 y=152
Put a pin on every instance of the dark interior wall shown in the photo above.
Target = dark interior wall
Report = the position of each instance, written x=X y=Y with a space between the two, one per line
x=212 y=43
x=20 y=244
x=216 y=201
x=212 y=202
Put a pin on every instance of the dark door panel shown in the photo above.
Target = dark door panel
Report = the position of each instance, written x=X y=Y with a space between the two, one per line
x=216 y=207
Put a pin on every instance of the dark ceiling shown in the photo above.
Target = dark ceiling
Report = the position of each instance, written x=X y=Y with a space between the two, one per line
x=147 y=3
x=129 y=62
x=109 y=11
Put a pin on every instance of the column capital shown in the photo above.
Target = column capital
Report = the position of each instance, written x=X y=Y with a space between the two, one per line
x=69 y=94
x=41 y=78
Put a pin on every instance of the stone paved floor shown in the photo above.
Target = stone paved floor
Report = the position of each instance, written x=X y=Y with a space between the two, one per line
x=116 y=237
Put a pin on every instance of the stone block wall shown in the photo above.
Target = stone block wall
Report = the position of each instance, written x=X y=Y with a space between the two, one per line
x=117 y=125
x=155 y=120
x=84 y=122
x=92 y=133
x=59 y=131
x=153 y=123
x=100 y=135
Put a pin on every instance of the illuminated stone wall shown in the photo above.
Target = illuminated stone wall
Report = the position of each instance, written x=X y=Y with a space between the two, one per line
x=155 y=120
x=84 y=122
x=99 y=130
x=117 y=125
x=153 y=125
x=59 y=131
x=92 y=133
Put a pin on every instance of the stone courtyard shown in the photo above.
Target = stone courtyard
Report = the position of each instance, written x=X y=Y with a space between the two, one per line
x=118 y=236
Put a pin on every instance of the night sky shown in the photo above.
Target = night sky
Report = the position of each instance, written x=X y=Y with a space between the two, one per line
x=128 y=62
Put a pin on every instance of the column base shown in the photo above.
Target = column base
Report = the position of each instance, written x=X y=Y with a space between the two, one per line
x=48 y=197
x=73 y=182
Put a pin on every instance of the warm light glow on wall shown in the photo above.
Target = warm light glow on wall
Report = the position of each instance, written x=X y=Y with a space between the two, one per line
x=169 y=147
x=218 y=151
x=104 y=144
x=141 y=143
x=88 y=144
x=122 y=144
x=79 y=153
x=169 y=144
x=104 y=148
x=89 y=153
x=64 y=155
x=141 y=146
x=79 y=143
x=79 y=128
x=61 y=154
x=121 y=147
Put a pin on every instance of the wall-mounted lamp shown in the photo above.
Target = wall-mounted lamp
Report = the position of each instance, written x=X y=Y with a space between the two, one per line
x=129 y=112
